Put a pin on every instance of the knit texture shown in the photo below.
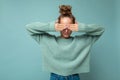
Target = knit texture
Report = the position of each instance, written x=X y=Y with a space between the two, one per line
x=65 y=56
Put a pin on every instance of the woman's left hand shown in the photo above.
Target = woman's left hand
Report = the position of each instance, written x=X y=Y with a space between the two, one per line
x=73 y=27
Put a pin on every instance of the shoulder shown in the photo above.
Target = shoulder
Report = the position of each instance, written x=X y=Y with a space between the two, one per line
x=48 y=36
x=84 y=37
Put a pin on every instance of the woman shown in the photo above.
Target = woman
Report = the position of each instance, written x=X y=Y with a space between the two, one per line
x=65 y=56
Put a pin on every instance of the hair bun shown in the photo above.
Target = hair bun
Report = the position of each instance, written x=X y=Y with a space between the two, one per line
x=65 y=9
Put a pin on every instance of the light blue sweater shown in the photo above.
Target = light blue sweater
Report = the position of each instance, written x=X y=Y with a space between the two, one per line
x=65 y=56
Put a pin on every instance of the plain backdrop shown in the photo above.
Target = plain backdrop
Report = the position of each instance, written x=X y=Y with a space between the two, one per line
x=20 y=55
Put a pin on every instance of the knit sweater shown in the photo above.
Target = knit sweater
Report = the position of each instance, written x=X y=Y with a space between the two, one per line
x=65 y=56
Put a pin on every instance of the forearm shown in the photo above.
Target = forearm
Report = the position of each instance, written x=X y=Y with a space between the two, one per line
x=91 y=29
x=40 y=28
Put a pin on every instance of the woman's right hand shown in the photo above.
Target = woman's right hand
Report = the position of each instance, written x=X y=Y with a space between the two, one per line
x=59 y=27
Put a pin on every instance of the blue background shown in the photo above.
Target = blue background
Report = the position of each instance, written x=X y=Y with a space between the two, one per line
x=20 y=55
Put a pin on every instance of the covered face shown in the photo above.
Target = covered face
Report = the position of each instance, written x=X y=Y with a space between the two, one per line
x=65 y=33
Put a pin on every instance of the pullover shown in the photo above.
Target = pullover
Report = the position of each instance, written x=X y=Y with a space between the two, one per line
x=65 y=56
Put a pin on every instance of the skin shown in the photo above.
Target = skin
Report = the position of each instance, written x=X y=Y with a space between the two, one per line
x=66 y=27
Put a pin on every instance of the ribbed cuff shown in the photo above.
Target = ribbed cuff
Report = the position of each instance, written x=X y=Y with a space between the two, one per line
x=52 y=26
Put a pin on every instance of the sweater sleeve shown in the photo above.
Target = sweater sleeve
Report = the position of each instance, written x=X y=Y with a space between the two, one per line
x=37 y=29
x=92 y=30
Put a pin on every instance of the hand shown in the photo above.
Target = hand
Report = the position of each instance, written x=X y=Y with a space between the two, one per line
x=59 y=27
x=73 y=27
